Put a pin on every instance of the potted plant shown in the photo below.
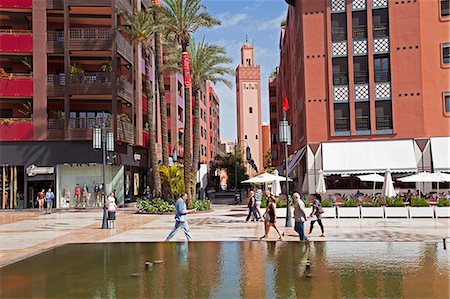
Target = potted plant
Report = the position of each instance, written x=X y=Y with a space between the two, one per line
x=27 y=61
x=76 y=72
x=349 y=208
x=329 y=211
x=372 y=209
x=420 y=207
x=27 y=109
x=443 y=208
x=106 y=66
x=123 y=117
x=395 y=208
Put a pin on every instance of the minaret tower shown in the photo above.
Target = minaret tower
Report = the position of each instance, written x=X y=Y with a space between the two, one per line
x=248 y=104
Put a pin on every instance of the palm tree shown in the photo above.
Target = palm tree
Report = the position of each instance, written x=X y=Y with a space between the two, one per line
x=161 y=87
x=207 y=64
x=140 y=26
x=182 y=18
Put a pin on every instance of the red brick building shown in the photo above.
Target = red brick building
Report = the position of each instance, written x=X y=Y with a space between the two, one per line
x=364 y=76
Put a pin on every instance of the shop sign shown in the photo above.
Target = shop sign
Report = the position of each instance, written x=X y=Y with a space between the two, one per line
x=33 y=170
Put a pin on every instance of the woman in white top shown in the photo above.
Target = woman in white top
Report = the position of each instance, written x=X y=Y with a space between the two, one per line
x=111 y=202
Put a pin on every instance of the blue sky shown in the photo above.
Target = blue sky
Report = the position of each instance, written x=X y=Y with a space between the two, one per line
x=260 y=20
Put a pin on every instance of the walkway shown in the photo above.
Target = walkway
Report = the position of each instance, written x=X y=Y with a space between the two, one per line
x=26 y=233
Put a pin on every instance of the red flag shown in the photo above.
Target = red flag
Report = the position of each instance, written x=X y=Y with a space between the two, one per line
x=186 y=73
x=285 y=103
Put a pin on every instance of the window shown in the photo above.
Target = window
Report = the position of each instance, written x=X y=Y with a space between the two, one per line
x=445 y=11
x=168 y=111
x=446 y=53
x=245 y=137
x=359 y=24
x=248 y=62
x=381 y=65
x=383 y=111
x=447 y=102
x=362 y=113
x=341 y=117
x=256 y=137
x=340 y=71
x=360 y=69
x=338 y=27
x=250 y=110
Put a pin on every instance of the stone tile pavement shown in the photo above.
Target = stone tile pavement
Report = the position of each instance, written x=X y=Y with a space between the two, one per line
x=26 y=233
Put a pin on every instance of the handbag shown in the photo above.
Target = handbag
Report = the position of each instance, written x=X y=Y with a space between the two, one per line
x=266 y=217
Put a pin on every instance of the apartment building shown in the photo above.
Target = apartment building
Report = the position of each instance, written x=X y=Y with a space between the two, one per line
x=368 y=89
x=66 y=70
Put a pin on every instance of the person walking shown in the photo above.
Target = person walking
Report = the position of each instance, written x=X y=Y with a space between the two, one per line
x=49 y=197
x=258 y=199
x=251 y=207
x=180 y=218
x=40 y=199
x=317 y=211
x=299 y=216
x=111 y=201
x=270 y=216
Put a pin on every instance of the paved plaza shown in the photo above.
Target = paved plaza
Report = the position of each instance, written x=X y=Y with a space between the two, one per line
x=26 y=233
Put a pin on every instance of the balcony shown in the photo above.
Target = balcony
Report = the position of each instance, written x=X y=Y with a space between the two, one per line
x=340 y=78
x=125 y=90
x=55 y=42
x=17 y=85
x=362 y=123
x=384 y=122
x=91 y=84
x=341 y=124
x=16 y=4
x=125 y=132
x=120 y=4
x=338 y=34
x=380 y=30
x=16 y=41
x=80 y=128
x=359 y=32
x=124 y=47
x=16 y=129
x=361 y=77
x=382 y=76
x=55 y=85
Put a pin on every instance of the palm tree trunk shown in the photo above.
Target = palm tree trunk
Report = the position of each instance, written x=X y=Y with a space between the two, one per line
x=153 y=159
x=187 y=157
x=196 y=133
x=162 y=94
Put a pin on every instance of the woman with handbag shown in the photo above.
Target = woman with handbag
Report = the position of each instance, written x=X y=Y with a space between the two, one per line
x=270 y=216
x=317 y=211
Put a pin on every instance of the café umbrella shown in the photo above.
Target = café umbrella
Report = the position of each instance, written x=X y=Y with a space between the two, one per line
x=388 y=185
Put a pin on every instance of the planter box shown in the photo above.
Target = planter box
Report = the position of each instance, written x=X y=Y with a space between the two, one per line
x=396 y=212
x=348 y=212
x=329 y=212
x=442 y=212
x=421 y=212
x=372 y=212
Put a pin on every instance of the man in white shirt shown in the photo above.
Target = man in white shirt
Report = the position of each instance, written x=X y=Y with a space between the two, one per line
x=299 y=216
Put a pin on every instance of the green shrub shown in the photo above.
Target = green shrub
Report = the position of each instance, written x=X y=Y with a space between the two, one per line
x=154 y=205
x=326 y=203
x=394 y=203
x=370 y=204
x=307 y=203
x=350 y=202
x=263 y=202
x=443 y=202
x=201 y=205
x=419 y=202
x=279 y=203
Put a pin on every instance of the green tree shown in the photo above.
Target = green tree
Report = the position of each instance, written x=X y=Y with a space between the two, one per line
x=173 y=178
x=181 y=18
x=268 y=162
x=140 y=27
x=230 y=162
x=207 y=64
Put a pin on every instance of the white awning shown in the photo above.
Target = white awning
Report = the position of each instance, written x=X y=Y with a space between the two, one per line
x=368 y=157
x=440 y=151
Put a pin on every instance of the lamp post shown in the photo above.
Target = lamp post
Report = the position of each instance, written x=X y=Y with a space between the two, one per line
x=103 y=139
x=285 y=138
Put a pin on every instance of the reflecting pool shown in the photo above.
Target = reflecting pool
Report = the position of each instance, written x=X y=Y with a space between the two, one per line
x=232 y=270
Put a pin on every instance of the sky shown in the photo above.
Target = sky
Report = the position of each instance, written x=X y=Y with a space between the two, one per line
x=260 y=21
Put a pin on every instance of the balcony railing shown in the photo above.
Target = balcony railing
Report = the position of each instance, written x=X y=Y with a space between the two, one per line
x=359 y=32
x=125 y=132
x=125 y=90
x=361 y=77
x=338 y=34
x=362 y=123
x=124 y=47
x=91 y=83
x=106 y=3
x=382 y=76
x=124 y=5
x=340 y=78
x=16 y=41
x=341 y=124
x=380 y=30
x=55 y=41
x=12 y=129
x=16 y=85
x=80 y=128
x=384 y=122
x=16 y=4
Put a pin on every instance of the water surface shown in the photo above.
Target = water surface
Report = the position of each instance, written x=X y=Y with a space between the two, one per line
x=232 y=270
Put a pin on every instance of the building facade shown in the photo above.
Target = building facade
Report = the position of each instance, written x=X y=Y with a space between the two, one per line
x=248 y=104
x=367 y=75
x=64 y=71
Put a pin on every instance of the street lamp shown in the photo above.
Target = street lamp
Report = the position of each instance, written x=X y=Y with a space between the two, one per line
x=285 y=137
x=103 y=139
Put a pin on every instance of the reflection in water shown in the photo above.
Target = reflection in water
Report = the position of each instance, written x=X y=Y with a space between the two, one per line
x=232 y=270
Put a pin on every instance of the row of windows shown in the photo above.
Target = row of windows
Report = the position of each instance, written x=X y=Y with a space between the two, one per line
x=245 y=137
